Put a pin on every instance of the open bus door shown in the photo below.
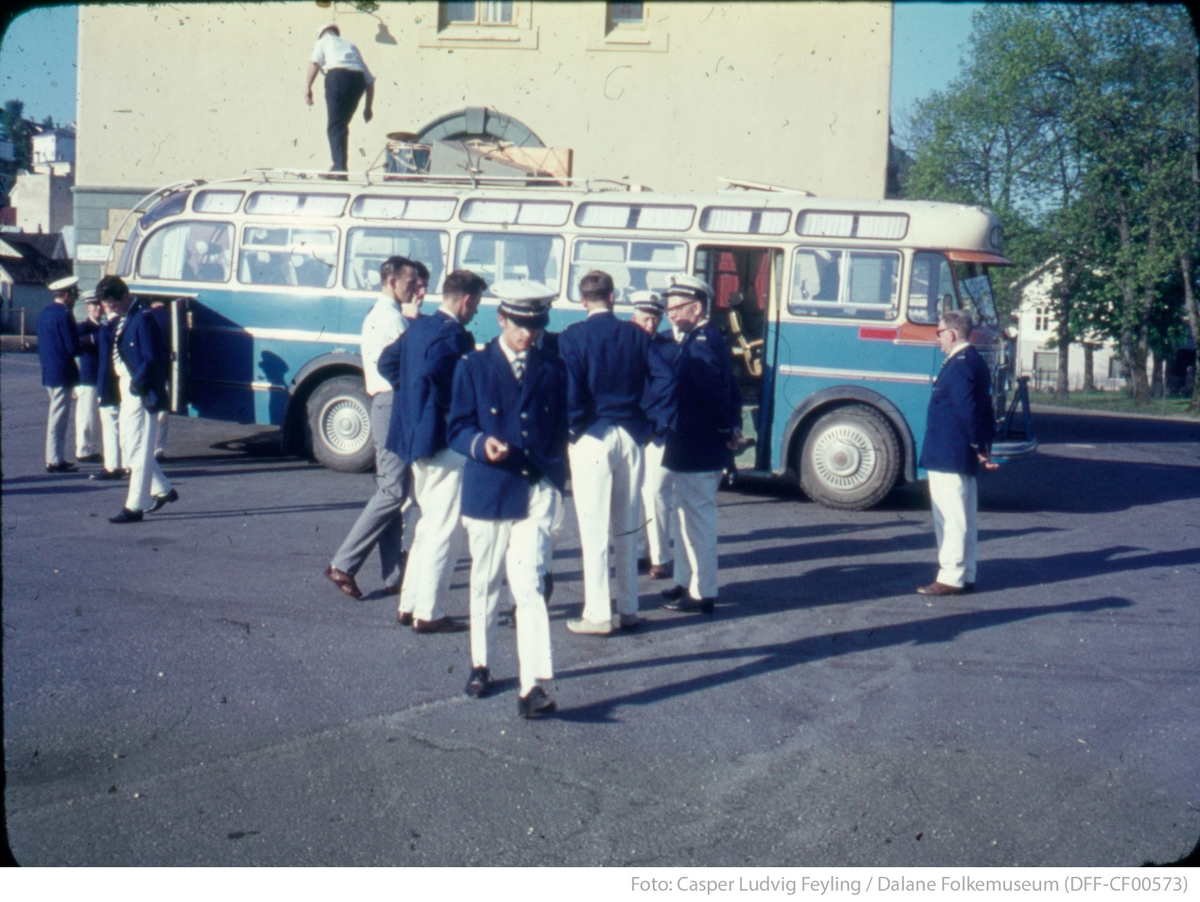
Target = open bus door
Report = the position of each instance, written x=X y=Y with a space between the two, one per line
x=747 y=284
x=178 y=345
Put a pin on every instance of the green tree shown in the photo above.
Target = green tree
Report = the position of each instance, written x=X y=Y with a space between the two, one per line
x=1078 y=125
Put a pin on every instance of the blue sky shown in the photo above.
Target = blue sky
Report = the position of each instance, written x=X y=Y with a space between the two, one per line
x=37 y=57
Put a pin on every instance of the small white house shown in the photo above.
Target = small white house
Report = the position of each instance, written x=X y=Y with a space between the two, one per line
x=1037 y=350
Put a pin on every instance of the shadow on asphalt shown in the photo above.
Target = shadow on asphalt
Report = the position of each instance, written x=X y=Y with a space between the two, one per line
x=757 y=660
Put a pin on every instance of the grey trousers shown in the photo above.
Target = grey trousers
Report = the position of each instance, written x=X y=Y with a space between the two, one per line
x=56 y=424
x=381 y=522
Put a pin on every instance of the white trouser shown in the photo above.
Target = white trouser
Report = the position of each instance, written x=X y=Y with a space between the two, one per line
x=523 y=547
x=137 y=429
x=110 y=435
x=87 y=421
x=606 y=477
x=955 y=524
x=658 y=507
x=56 y=424
x=163 y=418
x=696 y=503
x=439 y=536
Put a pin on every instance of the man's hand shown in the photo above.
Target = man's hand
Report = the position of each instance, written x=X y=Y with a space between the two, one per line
x=736 y=441
x=987 y=463
x=368 y=115
x=495 y=449
x=308 y=95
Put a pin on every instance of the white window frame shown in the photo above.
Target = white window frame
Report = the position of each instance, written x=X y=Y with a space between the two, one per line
x=609 y=35
x=517 y=35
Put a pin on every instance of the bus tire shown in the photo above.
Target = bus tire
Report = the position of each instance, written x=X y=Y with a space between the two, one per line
x=850 y=459
x=339 y=421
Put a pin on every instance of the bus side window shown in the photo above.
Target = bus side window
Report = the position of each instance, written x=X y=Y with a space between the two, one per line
x=509 y=255
x=367 y=248
x=930 y=288
x=188 y=251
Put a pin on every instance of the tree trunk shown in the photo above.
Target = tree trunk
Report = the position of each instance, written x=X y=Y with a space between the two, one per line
x=1158 y=386
x=1089 y=366
x=1193 y=319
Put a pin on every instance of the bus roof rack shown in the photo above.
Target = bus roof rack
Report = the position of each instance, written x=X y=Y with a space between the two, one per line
x=474 y=180
x=742 y=184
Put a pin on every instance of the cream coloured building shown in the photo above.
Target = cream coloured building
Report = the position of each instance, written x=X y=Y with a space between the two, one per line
x=669 y=95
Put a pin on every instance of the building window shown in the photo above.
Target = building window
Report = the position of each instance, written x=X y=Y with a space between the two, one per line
x=626 y=15
x=1045 y=362
x=476 y=13
x=484 y=23
x=627 y=26
x=1041 y=319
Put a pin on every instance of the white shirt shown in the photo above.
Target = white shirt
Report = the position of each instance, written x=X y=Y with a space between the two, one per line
x=334 y=52
x=383 y=325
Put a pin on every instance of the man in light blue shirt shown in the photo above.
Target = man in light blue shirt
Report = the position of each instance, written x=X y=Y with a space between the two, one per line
x=347 y=78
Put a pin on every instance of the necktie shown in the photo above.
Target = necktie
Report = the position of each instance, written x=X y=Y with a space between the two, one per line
x=518 y=366
x=116 y=348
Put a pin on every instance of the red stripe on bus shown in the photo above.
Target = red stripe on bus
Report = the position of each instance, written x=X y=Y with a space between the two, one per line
x=876 y=334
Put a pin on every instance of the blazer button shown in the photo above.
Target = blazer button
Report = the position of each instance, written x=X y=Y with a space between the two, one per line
x=493 y=411
x=524 y=434
x=524 y=415
x=524 y=472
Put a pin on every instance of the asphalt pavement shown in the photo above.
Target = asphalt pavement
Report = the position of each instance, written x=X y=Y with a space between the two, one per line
x=191 y=690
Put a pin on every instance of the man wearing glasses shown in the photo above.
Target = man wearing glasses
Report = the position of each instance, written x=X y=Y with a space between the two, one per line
x=958 y=441
x=707 y=430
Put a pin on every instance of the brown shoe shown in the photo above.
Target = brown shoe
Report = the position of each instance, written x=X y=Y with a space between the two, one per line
x=659 y=571
x=441 y=625
x=404 y=618
x=343 y=581
x=936 y=588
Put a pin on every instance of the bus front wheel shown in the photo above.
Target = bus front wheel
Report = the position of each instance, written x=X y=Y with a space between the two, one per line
x=850 y=459
x=339 y=421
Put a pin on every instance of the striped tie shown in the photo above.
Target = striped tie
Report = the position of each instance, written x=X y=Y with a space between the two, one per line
x=116 y=348
x=518 y=366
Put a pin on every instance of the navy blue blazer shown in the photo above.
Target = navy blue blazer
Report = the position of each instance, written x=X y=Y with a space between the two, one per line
x=960 y=422
x=659 y=398
x=108 y=391
x=708 y=404
x=420 y=365
x=89 y=352
x=530 y=416
x=608 y=366
x=144 y=353
x=58 y=343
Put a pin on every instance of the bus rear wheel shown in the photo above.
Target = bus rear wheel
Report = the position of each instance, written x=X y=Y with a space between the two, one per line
x=850 y=459
x=339 y=421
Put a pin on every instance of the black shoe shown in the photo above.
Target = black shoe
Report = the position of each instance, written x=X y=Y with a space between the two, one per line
x=126 y=516
x=61 y=467
x=548 y=586
x=674 y=593
x=161 y=501
x=689 y=605
x=480 y=683
x=107 y=475
x=535 y=704
x=160 y=457
x=90 y=459
x=968 y=588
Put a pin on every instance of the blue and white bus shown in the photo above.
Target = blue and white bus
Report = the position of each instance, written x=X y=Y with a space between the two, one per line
x=830 y=306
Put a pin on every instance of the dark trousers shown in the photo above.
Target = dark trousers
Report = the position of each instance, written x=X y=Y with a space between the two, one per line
x=344 y=88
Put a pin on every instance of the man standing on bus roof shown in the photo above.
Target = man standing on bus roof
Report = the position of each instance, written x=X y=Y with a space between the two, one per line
x=658 y=505
x=609 y=367
x=509 y=419
x=958 y=440
x=707 y=429
x=381 y=521
x=58 y=343
x=347 y=78
x=420 y=365
x=139 y=362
